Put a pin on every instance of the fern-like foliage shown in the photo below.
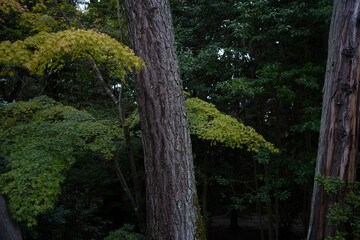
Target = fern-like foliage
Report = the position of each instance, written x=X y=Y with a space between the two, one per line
x=39 y=139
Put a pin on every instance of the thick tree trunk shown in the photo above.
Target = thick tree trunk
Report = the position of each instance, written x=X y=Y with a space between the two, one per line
x=9 y=229
x=338 y=143
x=171 y=196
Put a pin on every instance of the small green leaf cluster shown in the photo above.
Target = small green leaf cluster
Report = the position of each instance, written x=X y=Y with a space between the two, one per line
x=311 y=120
x=274 y=187
x=40 y=138
x=276 y=73
x=238 y=203
x=126 y=232
x=241 y=86
x=208 y=123
x=345 y=213
x=332 y=185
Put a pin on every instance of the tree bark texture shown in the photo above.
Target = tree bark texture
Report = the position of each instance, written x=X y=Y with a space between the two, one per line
x=338 y=142
x=9 y=229
x=171 y=195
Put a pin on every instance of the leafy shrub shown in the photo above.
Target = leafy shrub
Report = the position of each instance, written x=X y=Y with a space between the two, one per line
x=126 y=232
x=39 y=139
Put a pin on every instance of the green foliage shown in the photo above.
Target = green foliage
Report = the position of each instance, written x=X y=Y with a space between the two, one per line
x=262 y=156
x=286 y=80
x=89 y=205
x=311 y=120
x=280 y=18
x=332 y=185
x=40 y=138
x=39 y=22
x=208 y=123
x=126 y=232
x=50 y=49
x=274 y=187
x=241 y=86
x=20 y=52
x=238 y=203
x=345 y=213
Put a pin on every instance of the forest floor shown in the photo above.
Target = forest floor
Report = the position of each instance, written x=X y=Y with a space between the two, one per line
x=248 y=229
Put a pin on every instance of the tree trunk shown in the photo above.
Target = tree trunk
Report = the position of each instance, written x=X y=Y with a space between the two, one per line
x=9 y=229
x=338 y=143
x=258 y=206
x=269 y=208
x=204 y=194
x=277 y=219
x=172 y=212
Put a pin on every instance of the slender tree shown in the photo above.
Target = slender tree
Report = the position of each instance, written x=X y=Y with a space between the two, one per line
x=338 y=143
x=171 y=195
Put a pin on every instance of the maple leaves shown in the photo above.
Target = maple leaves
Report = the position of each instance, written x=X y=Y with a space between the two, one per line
x=210 y=124
x=47 y=50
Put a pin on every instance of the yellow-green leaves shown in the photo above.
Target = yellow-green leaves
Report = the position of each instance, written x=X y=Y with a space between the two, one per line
x=210 y=124
x=46 y=51
x=38 y=22
x=40 y=139
x=19 y=53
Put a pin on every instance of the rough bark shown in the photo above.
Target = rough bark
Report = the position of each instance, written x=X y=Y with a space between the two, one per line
x=170 y=188
x=9 y=229
x=338 y=142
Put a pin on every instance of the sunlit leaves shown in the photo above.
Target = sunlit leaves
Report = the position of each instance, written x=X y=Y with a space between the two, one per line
x=210 y=124
x=47 y=50
x=20 y=52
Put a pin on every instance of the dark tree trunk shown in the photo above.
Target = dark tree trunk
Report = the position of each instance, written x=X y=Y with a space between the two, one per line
x=171 y=197
x=9 y=229
x=338 y=143
x=204 y=194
